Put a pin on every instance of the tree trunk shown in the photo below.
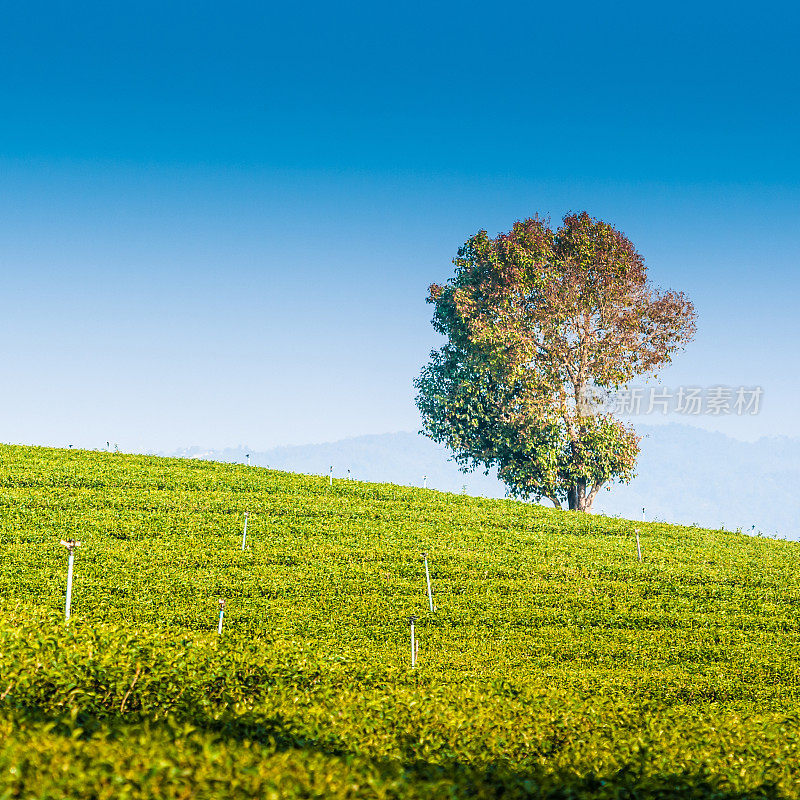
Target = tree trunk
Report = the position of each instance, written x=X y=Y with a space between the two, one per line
x=591 y=496
x=580 y=491
x=579 y=500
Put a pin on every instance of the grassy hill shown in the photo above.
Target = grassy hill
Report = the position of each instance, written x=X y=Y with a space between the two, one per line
x=725 y=484
x=556 y=664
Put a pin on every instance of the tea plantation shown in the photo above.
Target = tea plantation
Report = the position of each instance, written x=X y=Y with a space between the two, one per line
x=555 y=665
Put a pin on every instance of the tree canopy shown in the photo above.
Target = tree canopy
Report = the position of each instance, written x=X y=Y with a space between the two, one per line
x=535 y=320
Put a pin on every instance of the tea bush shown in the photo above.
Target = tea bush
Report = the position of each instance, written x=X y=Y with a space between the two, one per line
x=556 y=664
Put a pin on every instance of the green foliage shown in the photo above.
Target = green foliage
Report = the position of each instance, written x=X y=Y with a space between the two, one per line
x=556 y=665
x=464 y=406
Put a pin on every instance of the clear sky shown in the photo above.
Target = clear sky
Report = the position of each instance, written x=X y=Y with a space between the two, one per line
x=218 y=221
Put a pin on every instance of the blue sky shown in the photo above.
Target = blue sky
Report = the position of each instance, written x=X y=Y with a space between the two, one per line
x=217 y=224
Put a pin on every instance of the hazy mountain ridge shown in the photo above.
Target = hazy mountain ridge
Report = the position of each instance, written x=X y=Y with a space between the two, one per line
x=685 y=474
x=405 y=458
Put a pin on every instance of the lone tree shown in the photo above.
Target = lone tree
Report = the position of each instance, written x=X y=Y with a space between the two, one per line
x=537 y=323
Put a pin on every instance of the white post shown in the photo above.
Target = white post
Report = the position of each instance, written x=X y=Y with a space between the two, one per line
x=643 y=517
x=428 y=579
x=244 y=534
x=70 y=544
x=348 y=474
x=638 y=546
x=248 y=459
x=330 y=477
x=424 y=481
x=70 y=565
x=221 y=615
x=412 y=620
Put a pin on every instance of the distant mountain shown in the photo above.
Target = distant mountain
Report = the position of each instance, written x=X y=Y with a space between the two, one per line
x=689 y=475
x=685 y=474
x=404 y=458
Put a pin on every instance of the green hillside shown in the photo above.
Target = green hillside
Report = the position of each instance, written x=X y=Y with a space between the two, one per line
x=556 y=665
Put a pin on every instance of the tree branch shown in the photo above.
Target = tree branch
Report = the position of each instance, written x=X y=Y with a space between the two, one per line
x=590 y=498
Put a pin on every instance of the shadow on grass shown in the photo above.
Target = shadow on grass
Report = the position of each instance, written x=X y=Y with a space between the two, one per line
x=446 y=777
